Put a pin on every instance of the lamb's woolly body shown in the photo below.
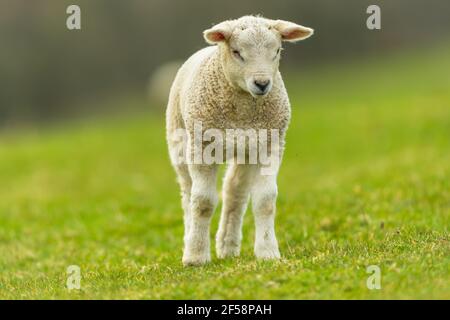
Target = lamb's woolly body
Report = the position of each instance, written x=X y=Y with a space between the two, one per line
x=213 y=88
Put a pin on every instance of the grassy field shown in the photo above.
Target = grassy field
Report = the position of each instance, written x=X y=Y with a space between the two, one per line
x=365 y=181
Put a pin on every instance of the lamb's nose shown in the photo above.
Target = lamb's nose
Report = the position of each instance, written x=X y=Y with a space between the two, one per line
x=262 y=85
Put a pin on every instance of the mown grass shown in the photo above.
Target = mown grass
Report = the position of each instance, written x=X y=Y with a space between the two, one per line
x=365 y=181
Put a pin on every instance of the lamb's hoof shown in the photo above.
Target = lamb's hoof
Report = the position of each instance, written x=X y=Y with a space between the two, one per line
x=196 y=260
x=227 y=250
x=267 y=253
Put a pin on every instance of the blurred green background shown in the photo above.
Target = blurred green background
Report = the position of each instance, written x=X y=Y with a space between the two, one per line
x=85 y=178
x=48 y=72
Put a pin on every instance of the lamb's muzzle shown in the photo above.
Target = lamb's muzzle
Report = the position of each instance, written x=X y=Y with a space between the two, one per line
x=263 y=86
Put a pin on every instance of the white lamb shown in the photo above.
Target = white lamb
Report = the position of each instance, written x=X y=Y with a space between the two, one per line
x=233 y=84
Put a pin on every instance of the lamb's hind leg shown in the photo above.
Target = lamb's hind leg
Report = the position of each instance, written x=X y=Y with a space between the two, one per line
x=236 y=190
x=203 y=202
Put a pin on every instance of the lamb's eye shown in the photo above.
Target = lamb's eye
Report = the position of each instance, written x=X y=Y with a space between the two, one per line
x=237 y=54
x=278 y=52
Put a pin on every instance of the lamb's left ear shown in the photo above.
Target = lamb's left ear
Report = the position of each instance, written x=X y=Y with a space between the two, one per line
x=218 y=33
x=292 y=32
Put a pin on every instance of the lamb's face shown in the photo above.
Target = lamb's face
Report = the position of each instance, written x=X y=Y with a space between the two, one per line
x=251 y=58
x=250 y=49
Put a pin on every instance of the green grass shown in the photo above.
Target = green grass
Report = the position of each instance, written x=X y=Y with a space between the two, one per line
x=365 y=181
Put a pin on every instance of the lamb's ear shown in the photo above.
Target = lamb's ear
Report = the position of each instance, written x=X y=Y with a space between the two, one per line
x=292 y=32
x=218 y=33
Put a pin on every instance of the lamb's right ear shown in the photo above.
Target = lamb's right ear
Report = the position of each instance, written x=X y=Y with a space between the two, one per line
x=292 y=32
x=220 y=32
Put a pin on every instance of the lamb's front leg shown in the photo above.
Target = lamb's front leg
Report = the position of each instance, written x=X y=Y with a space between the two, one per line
x=264 y=195
x=202 y=205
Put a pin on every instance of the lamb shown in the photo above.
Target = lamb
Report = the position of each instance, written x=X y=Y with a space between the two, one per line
x=232 y=84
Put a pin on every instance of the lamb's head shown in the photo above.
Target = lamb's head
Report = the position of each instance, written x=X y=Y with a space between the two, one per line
x=250 y=50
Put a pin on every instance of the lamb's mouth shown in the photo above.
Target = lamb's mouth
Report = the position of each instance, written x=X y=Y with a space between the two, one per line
x=259 y=94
